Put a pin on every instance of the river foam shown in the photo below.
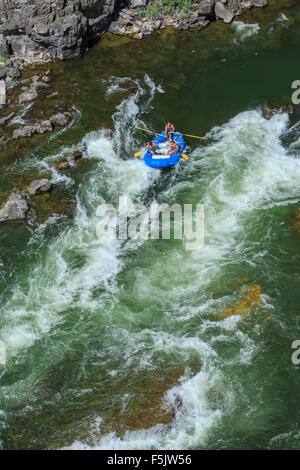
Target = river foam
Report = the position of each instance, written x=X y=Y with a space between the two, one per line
x=244 y=169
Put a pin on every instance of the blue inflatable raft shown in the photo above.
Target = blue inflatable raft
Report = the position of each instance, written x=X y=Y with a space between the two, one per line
x=161 y=159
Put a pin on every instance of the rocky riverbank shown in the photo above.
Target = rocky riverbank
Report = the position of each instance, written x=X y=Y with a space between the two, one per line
x=42 y=31
x=61 y=29
x=143 y=17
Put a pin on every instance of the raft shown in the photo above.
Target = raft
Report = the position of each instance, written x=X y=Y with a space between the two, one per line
x=162 y=159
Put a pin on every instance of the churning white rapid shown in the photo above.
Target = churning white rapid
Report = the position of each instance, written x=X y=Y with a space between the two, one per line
x=245 y=168
x=34 y=307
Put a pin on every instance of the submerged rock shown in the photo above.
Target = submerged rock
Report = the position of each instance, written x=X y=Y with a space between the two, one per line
x=268 y=110
x=63 y=166
x=16 y=208
x=77 y=155
x=294 y=219
x=59 y=120
x=39 y=186
x=252 y=297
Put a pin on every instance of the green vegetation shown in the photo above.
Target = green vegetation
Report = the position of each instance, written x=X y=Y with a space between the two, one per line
x=4 y=56
x=167 y=8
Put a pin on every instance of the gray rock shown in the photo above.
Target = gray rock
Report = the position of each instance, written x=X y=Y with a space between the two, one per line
x=222 y=12
x=22 y=132
x=13 y=72
x=28 y=95
x=51 y=29
x=203 y=22
x=41 y=28
x=63 y=166
x=30 y=130
x=246 y=5
x=39 y=186
x=116 y=28
x=2 y=92
x=52 y=95
x=43 y=127
x=10 y=83
x=59 y=120
x=16 y=208
x=138 y=3
x=6 y=118
x=205 y=7
x=2 y=72
x=37 y=85
x=259 y=3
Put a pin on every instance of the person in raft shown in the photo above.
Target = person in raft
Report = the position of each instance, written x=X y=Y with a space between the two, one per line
x=169 y=129
x=151 y=146
x=173 y=148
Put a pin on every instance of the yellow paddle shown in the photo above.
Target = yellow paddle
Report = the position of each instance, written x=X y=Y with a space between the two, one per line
x=175 y=132
x=195 y=136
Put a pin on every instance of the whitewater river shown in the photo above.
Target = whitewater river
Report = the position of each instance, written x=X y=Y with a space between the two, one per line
x=131 y=344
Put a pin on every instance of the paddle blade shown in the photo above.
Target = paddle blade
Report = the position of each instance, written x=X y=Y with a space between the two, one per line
x=185 y=156
x=138 y=154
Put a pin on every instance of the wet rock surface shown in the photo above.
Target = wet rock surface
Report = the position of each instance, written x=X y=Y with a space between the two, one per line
x=43 y=31
x=129 y=21
x=269 y=110
x=57 y=120
x=294 y=220
x=39 y=186
x=16 y=208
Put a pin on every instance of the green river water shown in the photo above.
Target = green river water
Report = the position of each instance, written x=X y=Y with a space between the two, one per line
x=104 y=338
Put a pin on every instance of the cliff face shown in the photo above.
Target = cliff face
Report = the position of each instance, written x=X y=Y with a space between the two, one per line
x=49 y=29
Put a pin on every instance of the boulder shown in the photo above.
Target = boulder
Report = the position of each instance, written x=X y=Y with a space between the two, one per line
x=63 y=166
x=52 y=95
x=26 y=131
x=16 y=208
x=77 y=155
x=43 y=127
x=6 y=118
x=39 y=186
x=205 y=7
x=28 y=95
x=2 y=92
x=2 y=72
x=223 y=13
x=59 y=120
x=116 y=28
x=13 y=72
x=259 y=3
x=30 y=130
x=138 y=3
x=268 y=110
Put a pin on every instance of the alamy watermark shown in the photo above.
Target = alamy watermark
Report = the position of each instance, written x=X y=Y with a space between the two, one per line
x=139 y=222
x=2 y=353
x=296 y=354
x=296 y=94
